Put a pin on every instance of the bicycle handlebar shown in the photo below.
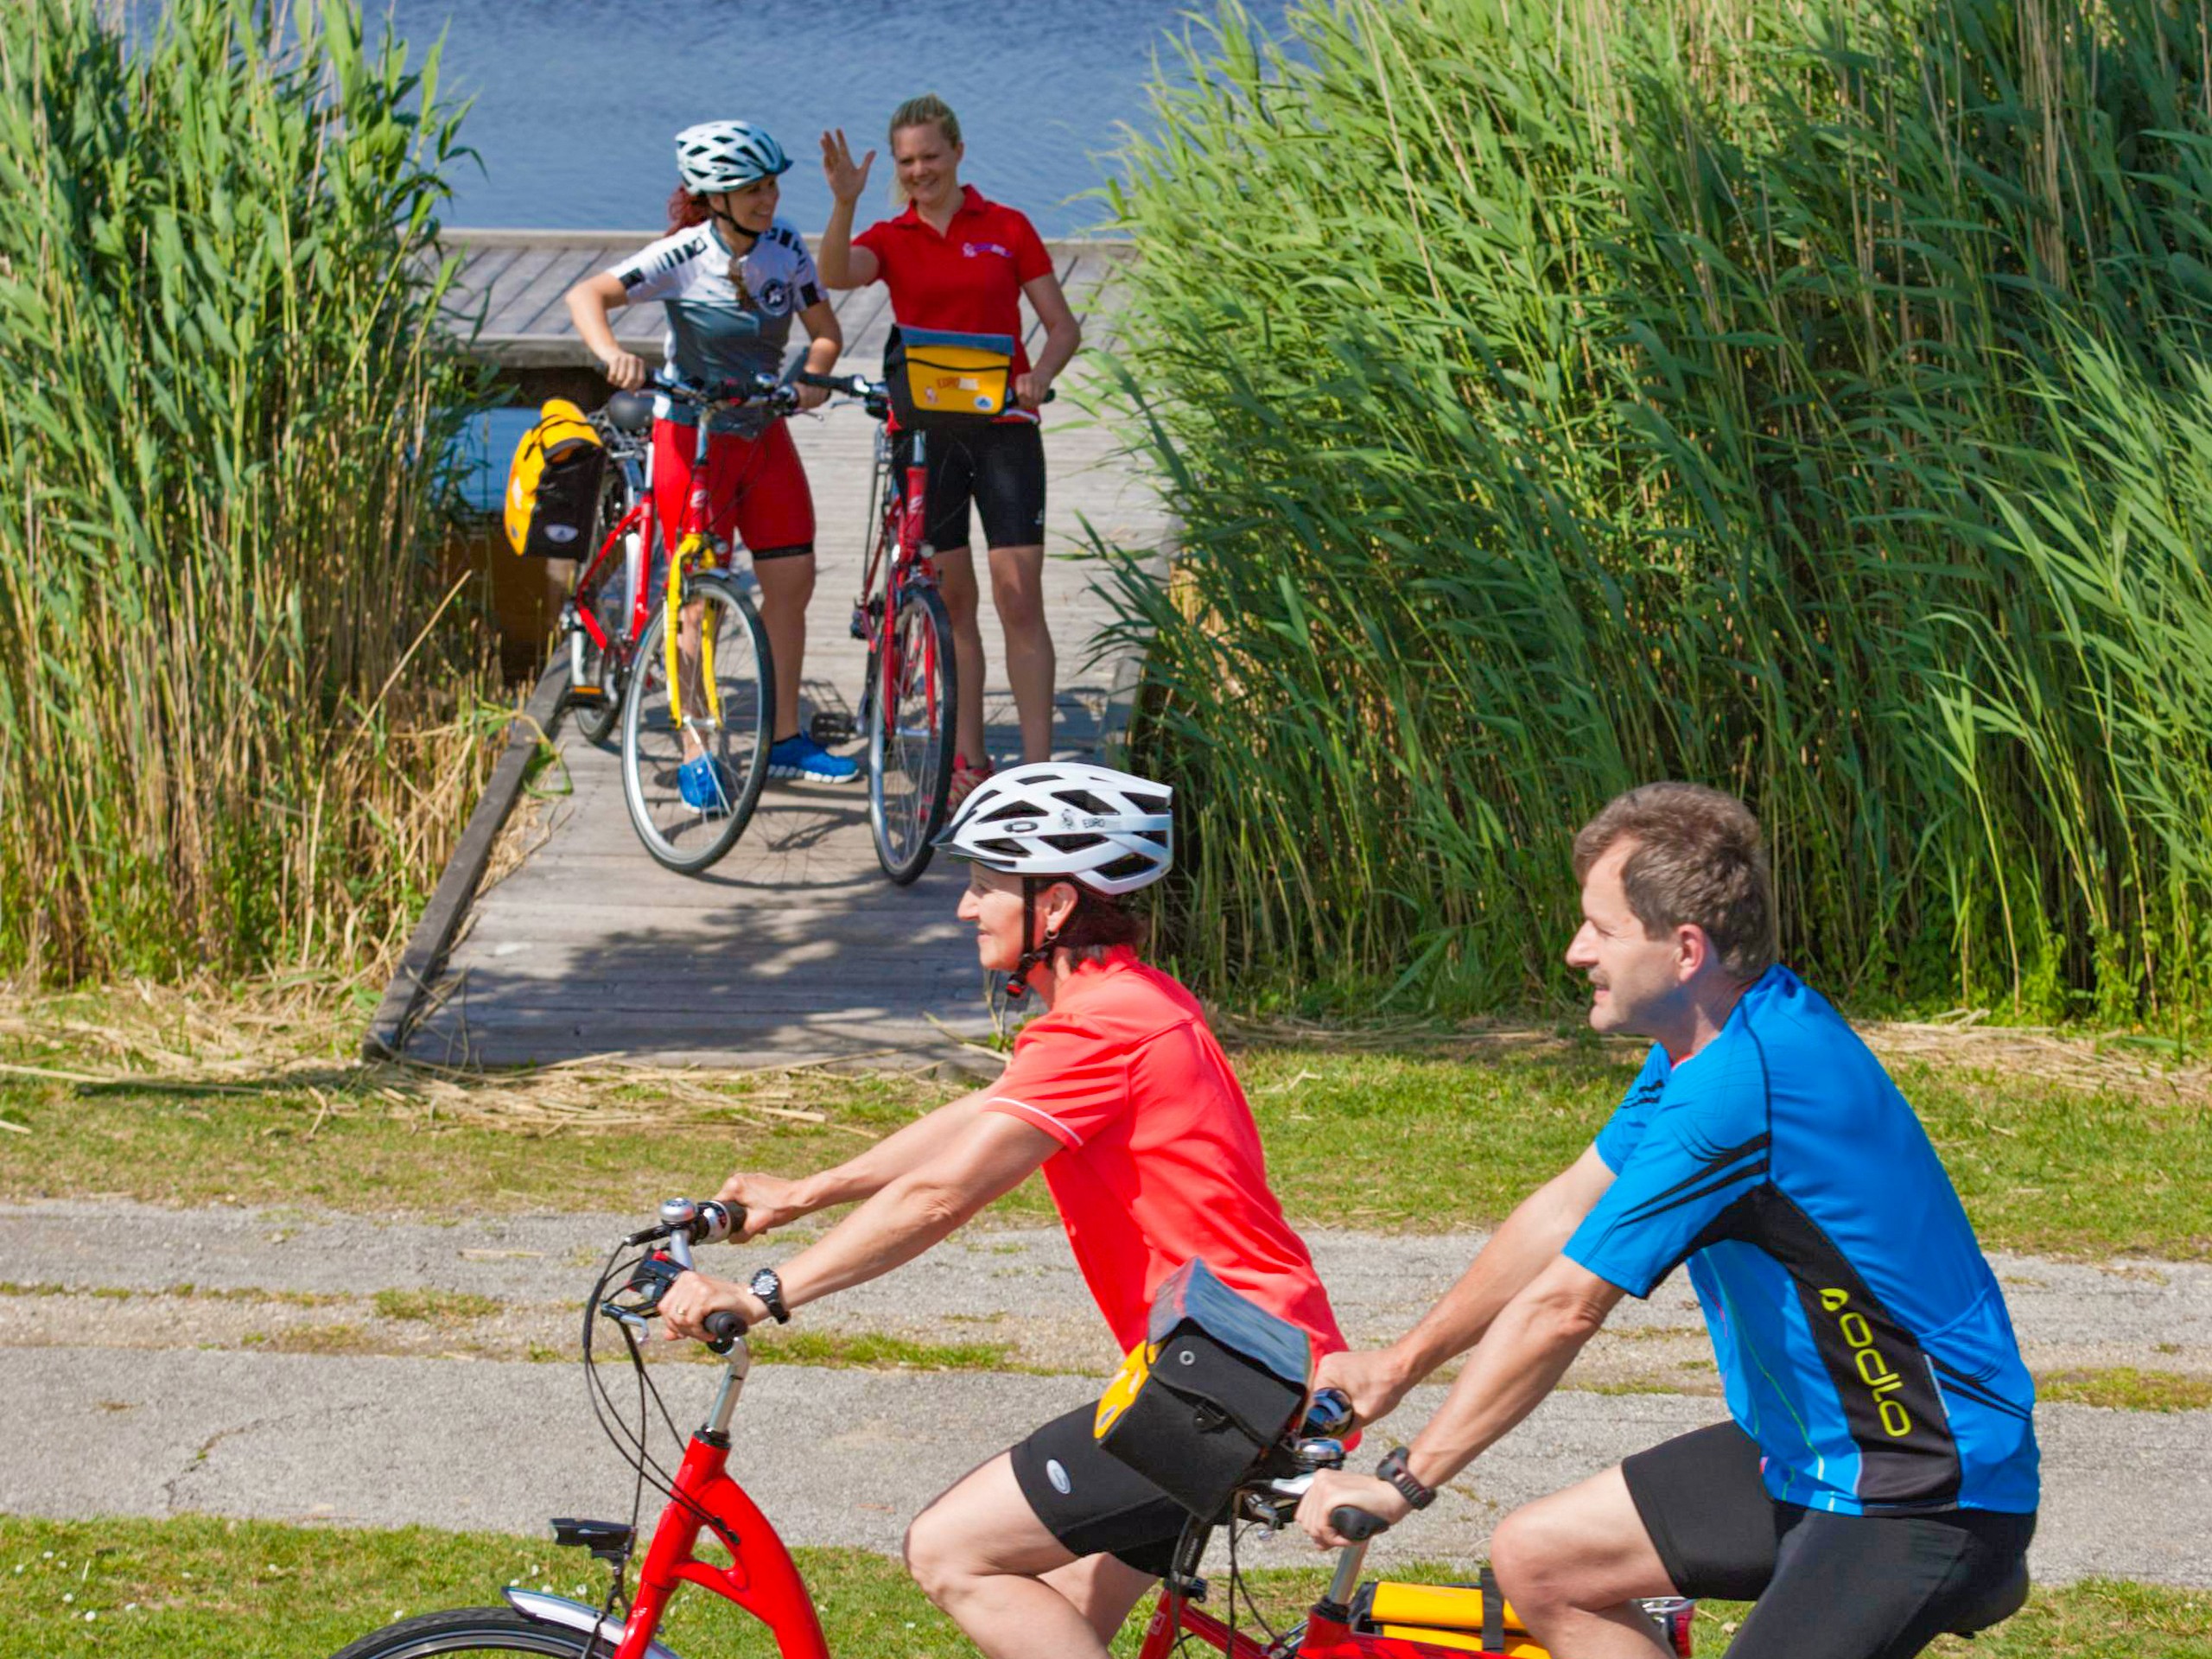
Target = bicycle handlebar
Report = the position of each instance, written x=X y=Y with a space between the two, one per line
x=1356 y=1523
x=868 y=390
x=728 y=394
x=853 y=385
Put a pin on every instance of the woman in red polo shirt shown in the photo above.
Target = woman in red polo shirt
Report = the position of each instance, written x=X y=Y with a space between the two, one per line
x=955 y=260
x=1120 y=1093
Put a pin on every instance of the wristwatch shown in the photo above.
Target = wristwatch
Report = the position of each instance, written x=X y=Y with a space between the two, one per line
x=1393 y=1469
x=769 y=1290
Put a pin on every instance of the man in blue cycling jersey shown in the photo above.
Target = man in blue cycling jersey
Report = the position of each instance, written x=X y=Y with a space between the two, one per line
x=1877 y=1485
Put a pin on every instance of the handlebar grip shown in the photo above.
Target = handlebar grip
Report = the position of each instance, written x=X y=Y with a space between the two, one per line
x=726 y=1327
x=1357 y=1524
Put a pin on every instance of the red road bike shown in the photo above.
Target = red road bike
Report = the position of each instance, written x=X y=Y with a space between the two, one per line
x=1351 y=1621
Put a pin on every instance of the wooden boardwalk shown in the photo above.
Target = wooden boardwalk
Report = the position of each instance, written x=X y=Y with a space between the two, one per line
x=794 y=947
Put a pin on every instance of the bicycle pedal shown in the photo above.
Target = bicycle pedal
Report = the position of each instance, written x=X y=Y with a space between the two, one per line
x=831 y=729
x=587 y=693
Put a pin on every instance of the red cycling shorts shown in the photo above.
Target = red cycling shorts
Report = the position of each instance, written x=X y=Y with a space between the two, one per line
x=757 y=490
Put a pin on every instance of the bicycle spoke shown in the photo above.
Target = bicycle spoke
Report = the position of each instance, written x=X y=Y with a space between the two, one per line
x=702 y=692
x=911 y=733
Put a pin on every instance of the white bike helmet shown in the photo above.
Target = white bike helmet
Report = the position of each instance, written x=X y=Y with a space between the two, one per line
x=726 y=156
x=1108 y=831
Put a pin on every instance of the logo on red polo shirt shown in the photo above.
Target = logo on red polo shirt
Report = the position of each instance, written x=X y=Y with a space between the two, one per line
x=974 y=250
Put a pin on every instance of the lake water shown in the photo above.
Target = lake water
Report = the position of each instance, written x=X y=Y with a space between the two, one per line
x=577 y=101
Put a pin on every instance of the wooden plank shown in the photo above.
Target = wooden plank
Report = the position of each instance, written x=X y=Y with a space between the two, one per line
x=484 y=275
x=386 y=1037
x=516 y=280
x=547 y=292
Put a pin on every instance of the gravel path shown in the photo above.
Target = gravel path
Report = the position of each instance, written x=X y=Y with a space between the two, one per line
x=1016 y=1287
x=154 y=1403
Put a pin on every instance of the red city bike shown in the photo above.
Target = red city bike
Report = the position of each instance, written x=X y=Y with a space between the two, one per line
x=910 y=698
x=1351 y=1621
x=695 y=696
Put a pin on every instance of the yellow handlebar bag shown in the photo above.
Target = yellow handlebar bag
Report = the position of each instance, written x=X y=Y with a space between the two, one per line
x=553 y=485
x=940 y=379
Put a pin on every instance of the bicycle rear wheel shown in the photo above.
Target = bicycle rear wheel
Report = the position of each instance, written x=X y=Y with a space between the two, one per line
x=467 y=1630
x=911 y=707
x=727 y=686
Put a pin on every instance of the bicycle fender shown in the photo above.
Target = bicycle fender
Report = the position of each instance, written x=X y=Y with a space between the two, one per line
x=559 y=1610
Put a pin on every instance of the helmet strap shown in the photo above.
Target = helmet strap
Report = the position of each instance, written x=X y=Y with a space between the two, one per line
x=1018 y=986
x=732 y=231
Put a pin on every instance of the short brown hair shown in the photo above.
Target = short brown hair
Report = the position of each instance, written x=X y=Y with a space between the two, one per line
x=1699 y=860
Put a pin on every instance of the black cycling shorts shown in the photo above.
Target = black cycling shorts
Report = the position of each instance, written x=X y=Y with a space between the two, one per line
x=1828 y=1587
x=1091 y=1500
x=1000 y=466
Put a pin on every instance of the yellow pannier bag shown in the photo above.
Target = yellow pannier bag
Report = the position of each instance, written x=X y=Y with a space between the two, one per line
x=940 y=378
x=553 y=485
x=1466 y=1617
x=1444 y=1606
x=1516 y=1647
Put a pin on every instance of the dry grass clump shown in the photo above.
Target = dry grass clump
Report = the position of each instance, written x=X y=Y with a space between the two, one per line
x=300 y=1037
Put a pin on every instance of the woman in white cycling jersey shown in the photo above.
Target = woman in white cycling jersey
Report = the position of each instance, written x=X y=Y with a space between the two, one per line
x=732 y=276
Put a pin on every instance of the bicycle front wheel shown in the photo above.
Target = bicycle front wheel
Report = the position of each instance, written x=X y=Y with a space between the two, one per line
x=695 y=744
x=912 y=702
x=467 y=1630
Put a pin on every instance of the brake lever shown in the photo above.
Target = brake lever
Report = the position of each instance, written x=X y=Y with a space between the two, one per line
x=651 y=1281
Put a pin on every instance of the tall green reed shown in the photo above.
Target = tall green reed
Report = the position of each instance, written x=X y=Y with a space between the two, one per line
x=236 y=730
x=1808 y=400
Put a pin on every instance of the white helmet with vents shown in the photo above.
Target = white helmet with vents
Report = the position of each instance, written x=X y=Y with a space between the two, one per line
x=726 y=156
x=1105 y=829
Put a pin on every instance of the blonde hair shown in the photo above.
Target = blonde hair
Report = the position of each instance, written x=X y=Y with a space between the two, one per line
x=927 y=111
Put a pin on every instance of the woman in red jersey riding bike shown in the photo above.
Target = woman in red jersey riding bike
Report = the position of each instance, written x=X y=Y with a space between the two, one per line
x=733 y=276
x=955 y=260
x=1120 y=1093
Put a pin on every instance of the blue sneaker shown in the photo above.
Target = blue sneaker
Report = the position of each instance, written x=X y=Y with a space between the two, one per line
x=800 y=757
x=705 y=786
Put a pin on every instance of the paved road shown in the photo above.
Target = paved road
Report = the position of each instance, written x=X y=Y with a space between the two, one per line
x=136 y=1417
x=842 y=1457
x=1018 y=1287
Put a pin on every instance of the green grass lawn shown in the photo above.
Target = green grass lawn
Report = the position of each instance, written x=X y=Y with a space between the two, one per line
x=254 y=1589
x=1408 y=1139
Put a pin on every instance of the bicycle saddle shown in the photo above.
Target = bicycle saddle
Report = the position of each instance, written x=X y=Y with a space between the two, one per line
x=1996 y=1605
x=630 y=411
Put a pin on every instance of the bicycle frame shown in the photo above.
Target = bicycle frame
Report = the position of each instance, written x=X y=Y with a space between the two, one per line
x=761 y=1577
x=694 y=550
x=900 y=553
x=764 y=1580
